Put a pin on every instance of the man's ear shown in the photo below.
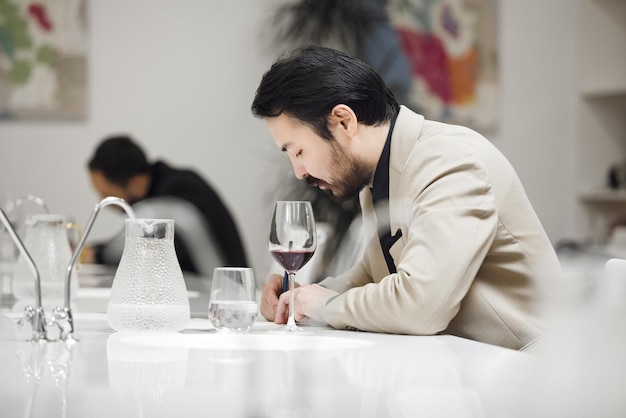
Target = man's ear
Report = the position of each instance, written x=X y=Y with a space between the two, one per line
x=343 y=118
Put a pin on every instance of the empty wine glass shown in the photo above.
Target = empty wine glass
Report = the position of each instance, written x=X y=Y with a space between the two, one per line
x=292 y=243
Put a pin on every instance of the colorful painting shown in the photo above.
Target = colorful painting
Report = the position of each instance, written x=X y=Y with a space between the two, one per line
x=452 y=49
x=43 y=48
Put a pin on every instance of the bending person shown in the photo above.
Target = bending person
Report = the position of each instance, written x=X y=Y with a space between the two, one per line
x=206 y=234
x=453 y=243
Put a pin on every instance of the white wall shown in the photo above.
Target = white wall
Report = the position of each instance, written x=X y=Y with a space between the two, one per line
x=538 y=130
x=180 y=77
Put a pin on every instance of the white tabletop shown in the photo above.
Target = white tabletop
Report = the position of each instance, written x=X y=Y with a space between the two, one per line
x=199 y=372
x=579 y=371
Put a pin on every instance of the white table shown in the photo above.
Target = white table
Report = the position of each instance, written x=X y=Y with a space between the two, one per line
x=199 y=372
x=330 y=373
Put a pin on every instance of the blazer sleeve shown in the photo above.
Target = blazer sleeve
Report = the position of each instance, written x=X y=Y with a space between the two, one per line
x=448 y=221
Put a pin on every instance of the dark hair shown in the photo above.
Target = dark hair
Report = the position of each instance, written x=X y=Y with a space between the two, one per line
x=306 y=83
x=119 y=159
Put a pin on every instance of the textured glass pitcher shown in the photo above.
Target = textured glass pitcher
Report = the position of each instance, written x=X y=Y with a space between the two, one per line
x=148 y=292
x=47 y=242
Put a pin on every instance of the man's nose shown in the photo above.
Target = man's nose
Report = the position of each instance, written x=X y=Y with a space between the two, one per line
x=299 y=170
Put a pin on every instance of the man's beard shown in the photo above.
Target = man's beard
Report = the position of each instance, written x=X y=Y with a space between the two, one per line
x=351 y=175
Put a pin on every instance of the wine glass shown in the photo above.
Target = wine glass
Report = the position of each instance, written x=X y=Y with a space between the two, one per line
x=292 y=243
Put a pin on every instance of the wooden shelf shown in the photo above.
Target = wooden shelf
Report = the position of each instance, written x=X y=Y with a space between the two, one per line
x=603 y=195
x=604 y=91
x=605 y=209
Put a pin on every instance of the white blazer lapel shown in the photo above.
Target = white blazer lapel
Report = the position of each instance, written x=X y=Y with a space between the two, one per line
x=405 y=134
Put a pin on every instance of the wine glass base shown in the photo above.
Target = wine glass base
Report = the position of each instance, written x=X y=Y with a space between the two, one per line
x=289 y=329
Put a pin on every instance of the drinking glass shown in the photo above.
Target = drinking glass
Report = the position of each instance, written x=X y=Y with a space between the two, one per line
x=292 y=243
x=47 y=242
x=232 y=301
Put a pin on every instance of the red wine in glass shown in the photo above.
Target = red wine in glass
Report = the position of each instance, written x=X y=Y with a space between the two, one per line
x=292 y=242
x=292 y=260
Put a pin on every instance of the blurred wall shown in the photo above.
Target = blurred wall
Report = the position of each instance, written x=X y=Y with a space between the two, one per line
x=180 y=77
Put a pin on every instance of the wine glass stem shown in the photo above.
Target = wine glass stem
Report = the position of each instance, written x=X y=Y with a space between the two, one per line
x=291 y=320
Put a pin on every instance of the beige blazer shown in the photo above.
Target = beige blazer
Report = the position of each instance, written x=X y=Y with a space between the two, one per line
x=473 y=260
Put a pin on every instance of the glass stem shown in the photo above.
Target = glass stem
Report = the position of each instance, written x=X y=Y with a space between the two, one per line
x=291 y=321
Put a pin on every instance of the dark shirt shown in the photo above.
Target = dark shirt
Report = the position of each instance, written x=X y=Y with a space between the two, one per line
x=380 y=199
x=189 y=186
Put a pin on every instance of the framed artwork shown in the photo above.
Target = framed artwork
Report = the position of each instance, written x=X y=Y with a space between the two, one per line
x=452 y=50
x=43 y=59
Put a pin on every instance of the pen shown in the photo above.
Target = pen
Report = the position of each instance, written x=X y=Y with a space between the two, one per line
x=285 y=282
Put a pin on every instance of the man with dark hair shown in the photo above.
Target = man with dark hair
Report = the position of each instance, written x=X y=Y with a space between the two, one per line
x=453 y=243
x=119 y=167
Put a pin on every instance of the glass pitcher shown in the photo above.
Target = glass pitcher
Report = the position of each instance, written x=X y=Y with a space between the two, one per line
x=148 y=292
x=47 y=242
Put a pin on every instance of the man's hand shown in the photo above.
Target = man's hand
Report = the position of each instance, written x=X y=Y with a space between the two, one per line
x=269 y=297
x=309 y=302
x=87 y=256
